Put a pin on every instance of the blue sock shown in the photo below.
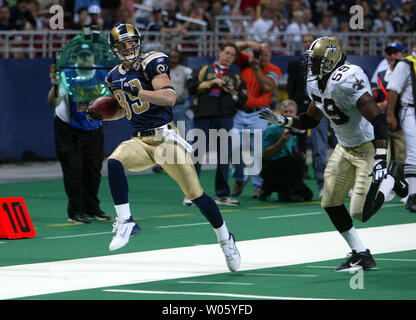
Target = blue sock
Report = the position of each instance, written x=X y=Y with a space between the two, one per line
x=210 y=210
x=118 y=182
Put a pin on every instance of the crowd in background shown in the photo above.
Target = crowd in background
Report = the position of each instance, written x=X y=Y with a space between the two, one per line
x=274 y=21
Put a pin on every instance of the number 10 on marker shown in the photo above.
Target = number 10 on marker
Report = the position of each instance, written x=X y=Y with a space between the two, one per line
x=15 y=221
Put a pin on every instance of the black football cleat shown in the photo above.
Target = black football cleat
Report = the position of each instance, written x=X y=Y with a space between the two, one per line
x=401 y=187
x=79 y=218
x=101 y=216
x=357 y=259
x=411 y=203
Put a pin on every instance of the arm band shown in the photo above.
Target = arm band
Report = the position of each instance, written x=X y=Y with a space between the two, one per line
x=170 y=88
x=306 y=122
x=380 y=127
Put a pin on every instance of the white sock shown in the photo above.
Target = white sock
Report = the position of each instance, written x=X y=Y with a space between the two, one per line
x=386 y=185
x=412 y=184
x=222 y=233
x=123 y=211
x=353 y=240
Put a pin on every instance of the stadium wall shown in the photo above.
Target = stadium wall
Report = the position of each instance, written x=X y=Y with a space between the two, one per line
x=26 y=120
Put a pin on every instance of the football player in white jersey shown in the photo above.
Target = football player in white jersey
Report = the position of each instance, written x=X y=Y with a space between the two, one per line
x=341 y=92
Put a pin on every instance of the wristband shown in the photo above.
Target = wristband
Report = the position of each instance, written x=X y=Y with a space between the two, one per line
x=381 y=153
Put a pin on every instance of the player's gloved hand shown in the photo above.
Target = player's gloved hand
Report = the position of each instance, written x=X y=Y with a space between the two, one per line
x=91 y=115
x=124 y=86
x=379 y=168
x=127 y=87
x=273 y=117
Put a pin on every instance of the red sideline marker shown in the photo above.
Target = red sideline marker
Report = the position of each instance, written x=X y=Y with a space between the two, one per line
x=15 y=222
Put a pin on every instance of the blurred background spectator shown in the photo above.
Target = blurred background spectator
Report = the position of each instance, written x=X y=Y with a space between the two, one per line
x=282 y=170
x=21 y=17
x=5 y=23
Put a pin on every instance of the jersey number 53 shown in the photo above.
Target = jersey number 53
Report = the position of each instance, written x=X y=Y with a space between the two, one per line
x=136 y=105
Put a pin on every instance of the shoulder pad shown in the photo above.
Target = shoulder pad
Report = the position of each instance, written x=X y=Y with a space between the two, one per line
x=154 y=63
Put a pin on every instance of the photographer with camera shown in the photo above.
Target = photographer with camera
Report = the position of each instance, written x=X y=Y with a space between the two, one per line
x=219 y=93
x=282 y=161
x=261 y=78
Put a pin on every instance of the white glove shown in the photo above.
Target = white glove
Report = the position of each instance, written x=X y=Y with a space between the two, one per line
x=169 y=135
x=273 y=117
x=379 y=170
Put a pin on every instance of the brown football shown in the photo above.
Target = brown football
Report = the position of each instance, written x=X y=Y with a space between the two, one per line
x=107 y=107
x=378 y=94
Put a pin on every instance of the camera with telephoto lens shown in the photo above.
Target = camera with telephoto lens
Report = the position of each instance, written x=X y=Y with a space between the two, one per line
x=257 y=54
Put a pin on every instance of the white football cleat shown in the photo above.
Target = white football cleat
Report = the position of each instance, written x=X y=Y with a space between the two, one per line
x=125 y=229
x=232 y=256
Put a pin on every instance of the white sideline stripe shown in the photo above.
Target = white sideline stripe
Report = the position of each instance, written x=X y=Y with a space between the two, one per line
x=322 y=267
x=392 y=205
x=281 y=275
x=183 y=225
x=77 y=235
x=401 y=260
x=233 y=295
x=291 y=215
x=221 y=283
x=192 y=261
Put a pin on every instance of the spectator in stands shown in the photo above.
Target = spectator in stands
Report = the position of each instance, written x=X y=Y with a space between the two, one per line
x=394 y=52
x=186 y=8
x=21 y=17
x=97 y=18
x=282 y=162
x=181 y=75
x=79 y=142
x=261 y=78
x=295 y=5
x=125 y=16
x=296 y=88
x=296 y=29
x=220 y=24
x=165 y=24
x=378 y=5
x=5 y=23
x=368 y=17
x=202 y=12
x=248 y=24
x=83 y=19
x=228 y=7
x=33 y=6
x=382 y=24
x=236 y=26
x=85 y=4
x=219 y=92
x=263 y=28
x=404 y=21
x=324 y=26
x=308 y=20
